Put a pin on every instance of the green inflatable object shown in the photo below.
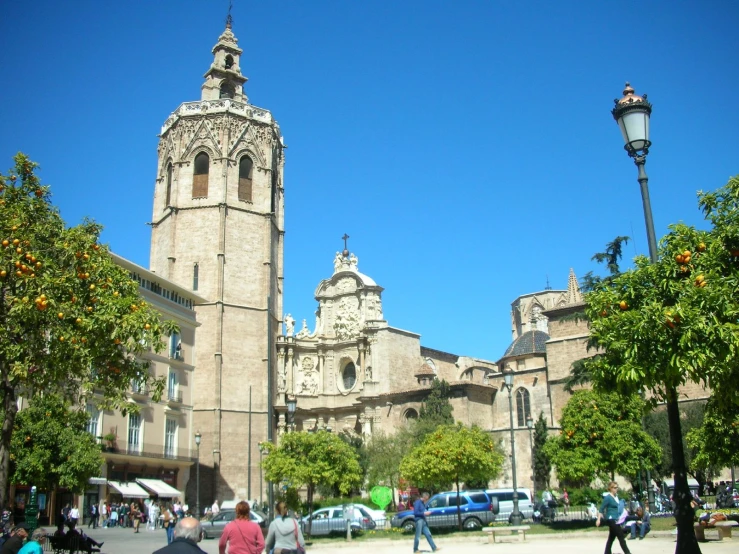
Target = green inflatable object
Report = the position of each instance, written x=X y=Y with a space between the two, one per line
x=382 y=496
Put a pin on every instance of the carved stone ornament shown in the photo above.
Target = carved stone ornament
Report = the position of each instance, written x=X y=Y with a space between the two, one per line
x=346 y=320
x=308 y=383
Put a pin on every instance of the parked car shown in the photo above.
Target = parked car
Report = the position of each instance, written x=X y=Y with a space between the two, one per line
x=505 y=502
x=477 y=509
x=213 y=527
x=333 y=520
x=377 y=515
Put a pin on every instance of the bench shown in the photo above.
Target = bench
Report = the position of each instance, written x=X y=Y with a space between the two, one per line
x=70 y=543
x=723 y=528
x=519 y=531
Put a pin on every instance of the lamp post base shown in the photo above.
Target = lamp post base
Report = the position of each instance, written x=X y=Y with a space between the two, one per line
x=516 y=518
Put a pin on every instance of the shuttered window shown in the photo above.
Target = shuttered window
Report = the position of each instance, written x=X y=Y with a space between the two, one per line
x=169 y=185
x=245 y=179
x=200 y=176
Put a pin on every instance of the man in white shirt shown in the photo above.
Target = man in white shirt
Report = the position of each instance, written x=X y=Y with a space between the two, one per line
x=74 y=515
x=214 y=508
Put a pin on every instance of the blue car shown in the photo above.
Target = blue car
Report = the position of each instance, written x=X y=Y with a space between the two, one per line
x=477 y=509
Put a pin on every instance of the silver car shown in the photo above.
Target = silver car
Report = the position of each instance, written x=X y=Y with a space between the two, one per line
x=213 y=527
x=331 y=520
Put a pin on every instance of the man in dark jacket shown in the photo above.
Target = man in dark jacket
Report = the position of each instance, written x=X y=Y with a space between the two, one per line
x=187 y=535
x=18 y=536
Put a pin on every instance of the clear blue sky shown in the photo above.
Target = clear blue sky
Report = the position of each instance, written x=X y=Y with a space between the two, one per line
x=466 y=147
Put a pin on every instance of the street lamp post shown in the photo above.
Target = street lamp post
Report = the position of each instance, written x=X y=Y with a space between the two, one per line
x=262 y=451
x=198 y=437
x=516 y=516
x=632 y=114
x=530 y=425
x=292 y=404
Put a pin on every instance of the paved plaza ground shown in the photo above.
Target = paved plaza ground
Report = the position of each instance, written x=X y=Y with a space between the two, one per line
x=124 y=541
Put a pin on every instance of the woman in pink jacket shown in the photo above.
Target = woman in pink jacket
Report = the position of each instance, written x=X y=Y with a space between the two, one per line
x=242 y=535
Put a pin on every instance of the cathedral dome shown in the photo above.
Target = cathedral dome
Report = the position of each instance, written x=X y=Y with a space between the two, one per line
x=531 y=342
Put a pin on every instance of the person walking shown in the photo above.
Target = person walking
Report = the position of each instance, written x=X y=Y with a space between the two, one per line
x=565 y=500
x=104 y=511
x=94 y=514
x=284 y=534
x=215 y=510
x=135 y=516
x=422 y=527
x=74 y=515
x=187 y=535
x=610 y=510
x=168 y=522
x=113 y=521
x=242 y=536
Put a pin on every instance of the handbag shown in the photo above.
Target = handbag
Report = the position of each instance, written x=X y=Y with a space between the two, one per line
x=299 y=549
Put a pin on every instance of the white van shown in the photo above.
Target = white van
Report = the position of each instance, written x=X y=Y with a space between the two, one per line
x=505 y=502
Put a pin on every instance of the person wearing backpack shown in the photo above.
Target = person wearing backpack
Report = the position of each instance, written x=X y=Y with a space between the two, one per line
x=610 y=510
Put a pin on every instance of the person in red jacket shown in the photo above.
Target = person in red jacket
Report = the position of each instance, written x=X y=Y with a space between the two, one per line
x=242 y=535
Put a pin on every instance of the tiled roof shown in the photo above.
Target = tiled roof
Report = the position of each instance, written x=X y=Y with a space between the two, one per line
x=531 y=342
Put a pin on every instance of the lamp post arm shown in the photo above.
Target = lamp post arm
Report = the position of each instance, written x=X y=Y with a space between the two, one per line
x=640 y=162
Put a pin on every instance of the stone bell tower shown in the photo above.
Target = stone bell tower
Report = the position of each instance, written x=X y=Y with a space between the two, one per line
x=218 y=229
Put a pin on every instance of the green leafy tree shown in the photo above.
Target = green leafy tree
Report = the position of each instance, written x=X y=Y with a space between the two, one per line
x=51 y=447
x=453 y=454
x=611 y=258
x=691 y=420
x=436 y=409
x=71 y=320
x=312 y=460
x=601 y=436
x=385 y=452
x=715 y=443
x=664 y=324
x=542 y=463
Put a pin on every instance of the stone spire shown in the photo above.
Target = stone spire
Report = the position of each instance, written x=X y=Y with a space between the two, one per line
x=224 y=78
x=574 y=295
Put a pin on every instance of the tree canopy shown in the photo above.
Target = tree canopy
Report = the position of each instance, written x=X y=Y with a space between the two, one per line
x=601 y=436
x=662 y=325
x=436 y=409
x=453 y=454
x=312 y=460
x=542 y=463
x=51 y=447
x=71 y=320
x=715 y=443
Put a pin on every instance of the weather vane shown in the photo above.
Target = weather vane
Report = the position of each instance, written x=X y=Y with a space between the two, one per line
x=346 y=248
x=229 y=19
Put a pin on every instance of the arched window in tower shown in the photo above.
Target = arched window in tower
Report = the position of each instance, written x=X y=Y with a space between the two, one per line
x=523 y=406
x=229 y=62
x=227 y=90
x=246 y=166
x=200 y=176
x=168 y=199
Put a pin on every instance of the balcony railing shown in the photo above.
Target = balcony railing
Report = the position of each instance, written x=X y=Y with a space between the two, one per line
x=173 y=396
x=152 y=451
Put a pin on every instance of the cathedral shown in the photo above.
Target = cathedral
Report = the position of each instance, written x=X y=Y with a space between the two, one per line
x=218 y=231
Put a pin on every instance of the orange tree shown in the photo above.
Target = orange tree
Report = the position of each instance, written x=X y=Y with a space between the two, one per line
x=453 y=454
x=601 y=436
x=312 y=460
x=71 y=320
x=663 y=325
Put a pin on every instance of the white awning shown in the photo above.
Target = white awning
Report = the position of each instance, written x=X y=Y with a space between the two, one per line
x=129 y=490
x=160 y=488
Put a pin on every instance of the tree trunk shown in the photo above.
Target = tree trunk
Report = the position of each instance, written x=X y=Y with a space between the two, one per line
x=10 y=407
x=686 y=541
x=310 y=508
x=459 y=508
